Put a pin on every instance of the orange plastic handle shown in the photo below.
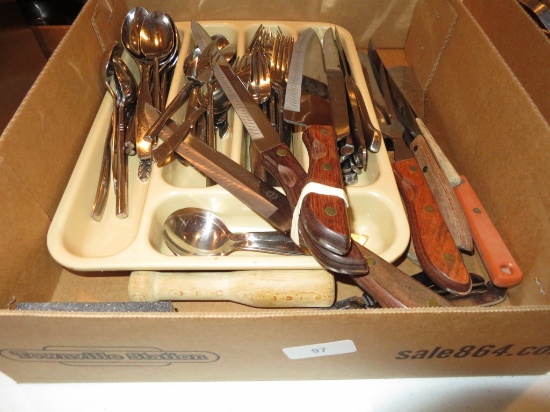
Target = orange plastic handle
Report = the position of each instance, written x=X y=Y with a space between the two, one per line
x=496 y=256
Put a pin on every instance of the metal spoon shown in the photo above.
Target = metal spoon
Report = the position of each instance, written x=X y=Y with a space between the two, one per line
x=194 y=231
x=157 y=42
x=130 y=36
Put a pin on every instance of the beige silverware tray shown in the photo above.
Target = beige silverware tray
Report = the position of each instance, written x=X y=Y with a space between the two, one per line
x=78 y=242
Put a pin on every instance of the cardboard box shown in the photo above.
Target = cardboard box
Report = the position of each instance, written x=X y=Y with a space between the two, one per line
x=477 y=105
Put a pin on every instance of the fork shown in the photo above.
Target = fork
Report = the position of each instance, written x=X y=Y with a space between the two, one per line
x=280 y=60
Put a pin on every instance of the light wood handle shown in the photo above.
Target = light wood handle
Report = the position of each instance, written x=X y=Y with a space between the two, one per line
x=444 y=163
x=263 y=288
x=448 y=204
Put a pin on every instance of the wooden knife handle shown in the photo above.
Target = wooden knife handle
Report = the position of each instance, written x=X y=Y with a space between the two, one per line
x=384 y=282
x=501 y=266
x=452 y=176
x=264 y=288
x=444 y=195
x=283 y=166
x=392 y=288
x=325 y=216
x=432 y=240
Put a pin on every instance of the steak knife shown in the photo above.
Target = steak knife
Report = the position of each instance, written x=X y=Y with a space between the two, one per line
x=310 y=104
x=497 y=258
x=434 y=245
x=442 y=190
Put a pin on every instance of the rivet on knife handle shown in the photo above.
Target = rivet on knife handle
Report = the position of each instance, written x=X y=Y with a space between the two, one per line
x=444 y=195
x=435 y=248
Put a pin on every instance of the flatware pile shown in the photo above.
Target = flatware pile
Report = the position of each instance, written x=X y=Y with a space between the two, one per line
x=282 y=89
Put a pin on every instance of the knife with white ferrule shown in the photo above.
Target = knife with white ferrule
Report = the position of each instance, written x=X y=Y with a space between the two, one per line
x=308 y=104
x=326 y=214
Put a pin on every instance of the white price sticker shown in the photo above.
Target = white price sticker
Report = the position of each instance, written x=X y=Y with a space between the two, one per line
x=320 y=349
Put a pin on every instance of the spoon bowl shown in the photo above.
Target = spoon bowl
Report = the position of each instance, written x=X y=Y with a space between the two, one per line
x=198 y=232
x=131 y=31
x=157 y=42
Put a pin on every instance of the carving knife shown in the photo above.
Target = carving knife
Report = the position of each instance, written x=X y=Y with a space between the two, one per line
x=310 y=104
x=499 y=262
x=386 y=283
x=497 y=258
x=434 y=245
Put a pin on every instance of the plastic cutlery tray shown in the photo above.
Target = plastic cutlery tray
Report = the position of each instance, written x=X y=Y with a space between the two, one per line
x=78 y=242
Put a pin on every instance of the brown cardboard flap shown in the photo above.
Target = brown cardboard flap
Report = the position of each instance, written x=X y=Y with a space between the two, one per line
x=520 y=42
x=432 y=26
x=361 y=18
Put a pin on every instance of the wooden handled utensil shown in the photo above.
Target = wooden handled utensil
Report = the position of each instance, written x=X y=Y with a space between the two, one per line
x=261 y=288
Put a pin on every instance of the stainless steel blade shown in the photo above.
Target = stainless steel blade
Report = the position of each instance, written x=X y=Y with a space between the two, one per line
x=254 y=120
x=336 y=86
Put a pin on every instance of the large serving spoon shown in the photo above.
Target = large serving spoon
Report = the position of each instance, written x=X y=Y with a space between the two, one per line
x=157 y=42
x=194 y=231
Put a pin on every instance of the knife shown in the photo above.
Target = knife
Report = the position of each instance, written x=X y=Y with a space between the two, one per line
x=265 y=200
x=386 y=283
x=358 y=111
x=308 y=103
x=336 y=86
x=446 y=199
x=497 y=258
x=434 y=245
x=280 y=162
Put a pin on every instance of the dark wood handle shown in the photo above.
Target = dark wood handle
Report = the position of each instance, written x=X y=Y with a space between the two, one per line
x=384 y=282
x=268 y=202
x=444 y=195
x=392 y=288
x=435 y=247
x=283 y=166
x=325 y=216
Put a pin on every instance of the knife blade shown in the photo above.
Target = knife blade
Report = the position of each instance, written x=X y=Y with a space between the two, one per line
x=444 y=195
x=434 y=245
x=343 y=100
x=336 y=86
x=324 y=209
x=364 y=130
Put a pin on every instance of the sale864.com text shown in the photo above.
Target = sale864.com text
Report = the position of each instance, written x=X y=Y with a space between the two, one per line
x=474 y=351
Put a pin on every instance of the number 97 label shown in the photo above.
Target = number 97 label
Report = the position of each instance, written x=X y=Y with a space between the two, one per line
x=320 y=349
